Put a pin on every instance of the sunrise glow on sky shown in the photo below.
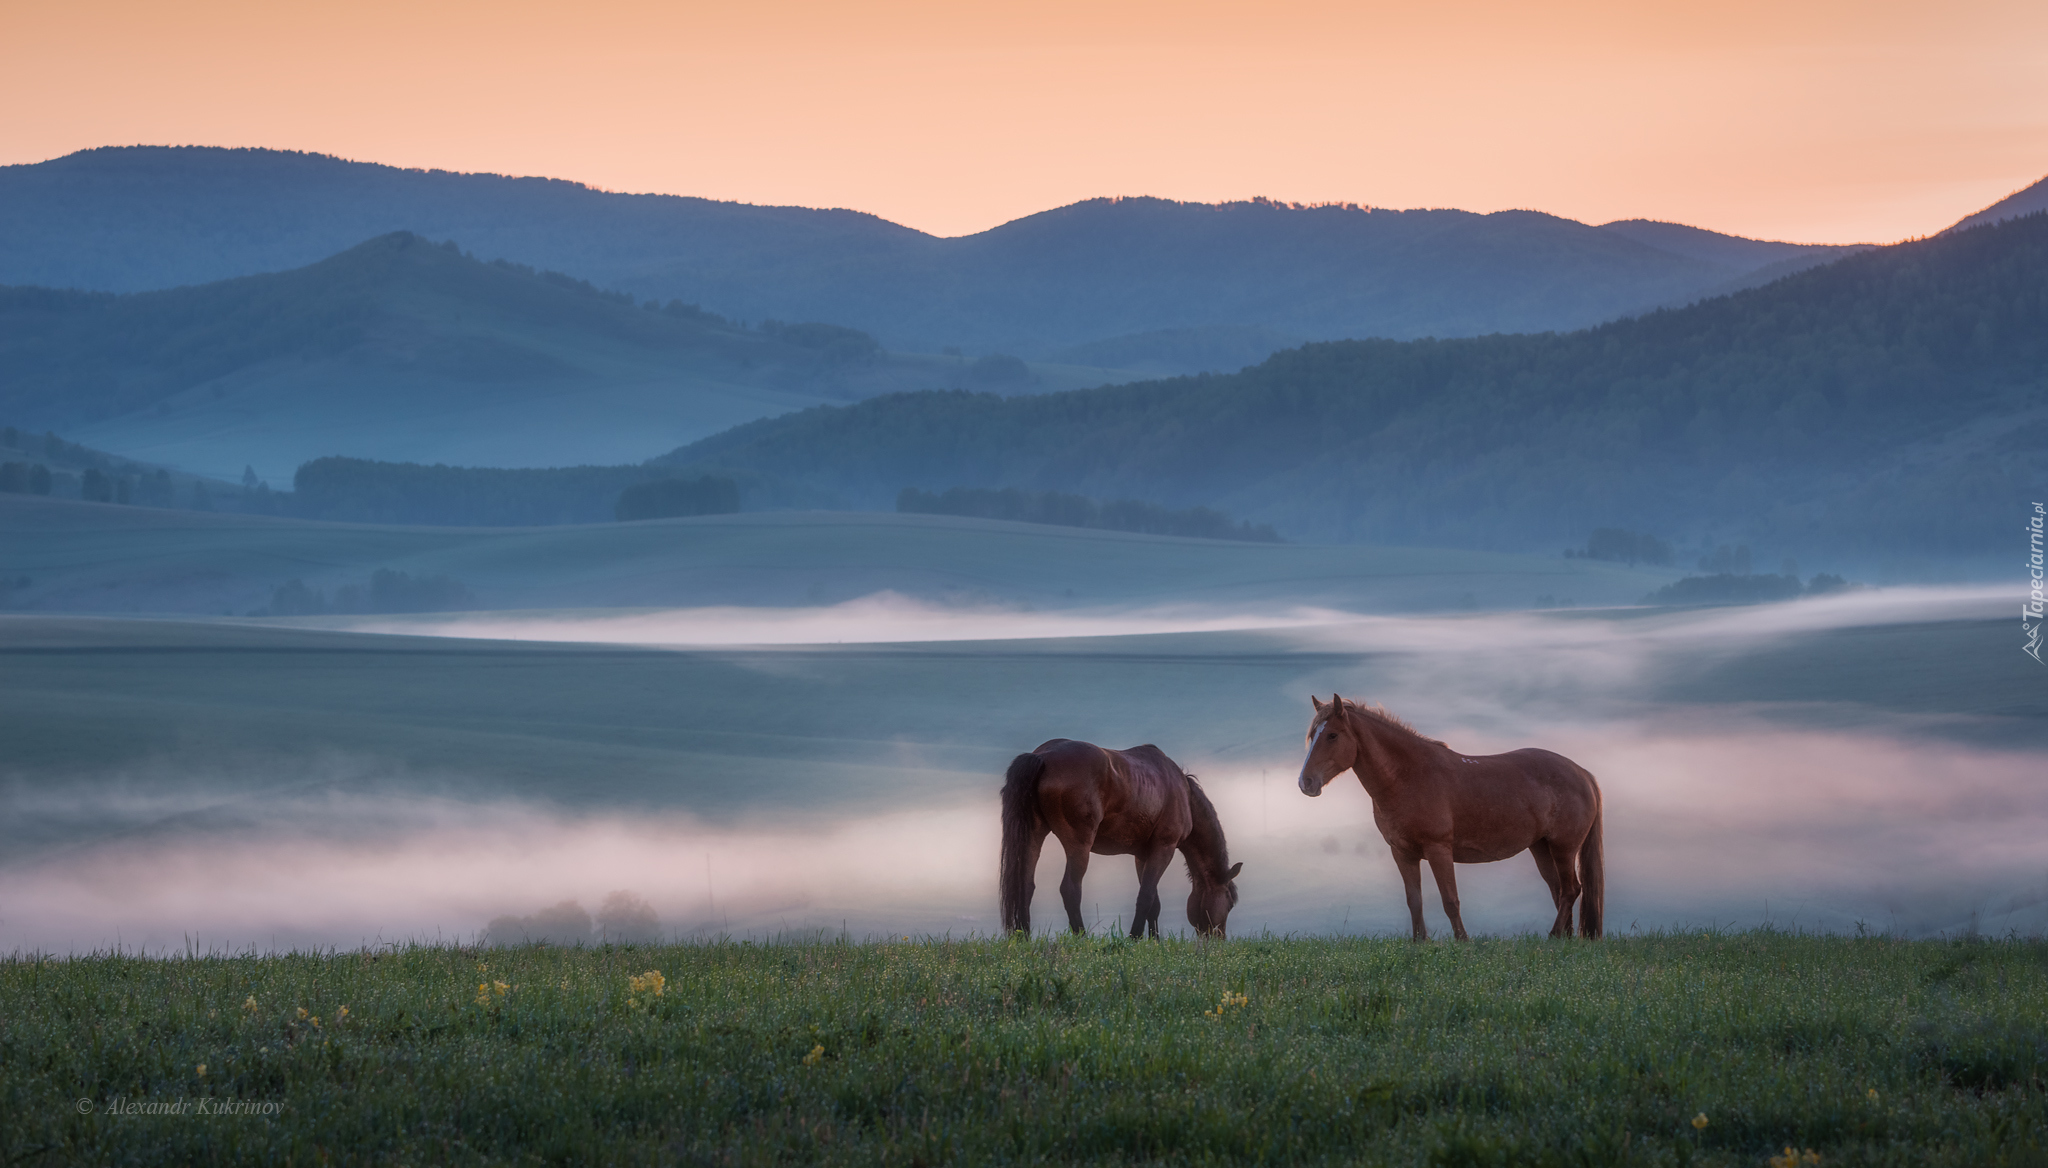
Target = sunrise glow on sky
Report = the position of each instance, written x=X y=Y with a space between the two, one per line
x=1823 y=122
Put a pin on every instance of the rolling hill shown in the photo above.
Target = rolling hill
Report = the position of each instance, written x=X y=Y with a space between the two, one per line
x=1149 y=273
x=1890 y=406
x=402 y=349
x=90 y=557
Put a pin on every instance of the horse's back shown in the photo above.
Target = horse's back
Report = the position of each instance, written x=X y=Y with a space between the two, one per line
x=1572 y=787
x=1551 y=765
x=1118 y=797
x=1150 y=759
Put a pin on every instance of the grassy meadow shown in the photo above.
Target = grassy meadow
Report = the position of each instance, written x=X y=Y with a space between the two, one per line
x=1667 y=1049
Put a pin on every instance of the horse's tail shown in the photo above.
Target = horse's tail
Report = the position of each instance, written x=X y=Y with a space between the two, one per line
x=1593 y=878
x=1020 y=815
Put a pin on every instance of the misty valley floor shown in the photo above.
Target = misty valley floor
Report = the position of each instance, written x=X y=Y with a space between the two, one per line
x=1809 y=766
x=1669 y=1049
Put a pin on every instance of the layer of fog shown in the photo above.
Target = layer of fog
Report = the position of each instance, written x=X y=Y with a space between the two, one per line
x=888 y=617
x=1729 y=825
x=884 y=617
x=1716 y=818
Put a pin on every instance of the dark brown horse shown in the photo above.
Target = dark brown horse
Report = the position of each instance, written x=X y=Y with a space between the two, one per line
x=1133 y=802
x=1432 y=803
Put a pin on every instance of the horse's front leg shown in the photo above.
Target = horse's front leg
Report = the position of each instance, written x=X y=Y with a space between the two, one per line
x=1150 y=869
x=1410 y=864
x=1441 y=867
x=1070 y=884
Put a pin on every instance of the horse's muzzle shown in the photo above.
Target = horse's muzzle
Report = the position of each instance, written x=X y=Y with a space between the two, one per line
x=1309 y=785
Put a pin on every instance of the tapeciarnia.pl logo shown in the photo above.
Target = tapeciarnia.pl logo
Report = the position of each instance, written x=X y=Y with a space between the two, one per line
x=2031 y=611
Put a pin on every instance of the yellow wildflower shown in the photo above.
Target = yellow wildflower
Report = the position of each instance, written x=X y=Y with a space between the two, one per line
x=341 y=1015
x=651 y=984
x=1226 y=1003
x=816 y=1056
x=1794 y=1158
x=201 y=1068
x=249 y=1004
x=1699 y=1122
x=1871 y=1094
x=302 y=1013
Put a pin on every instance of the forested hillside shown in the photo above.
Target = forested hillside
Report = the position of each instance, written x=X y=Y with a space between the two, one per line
x=399 y=301
x=1891 y=405
x=1152 y=275
x=407 y=350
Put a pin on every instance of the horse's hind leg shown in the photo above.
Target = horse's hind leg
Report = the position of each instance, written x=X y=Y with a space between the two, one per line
x=1150 y=869
x=1447 y=887
x=1546 y=863
x=1070 y=884
x=1411 y=880
x=1034 y=850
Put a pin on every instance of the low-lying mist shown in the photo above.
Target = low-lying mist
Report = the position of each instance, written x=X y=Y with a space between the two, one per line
x=881 y=618
x=1718 y=814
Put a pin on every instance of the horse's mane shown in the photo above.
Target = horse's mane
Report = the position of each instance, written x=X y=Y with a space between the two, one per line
x=1380 y=714
x=1207 y=823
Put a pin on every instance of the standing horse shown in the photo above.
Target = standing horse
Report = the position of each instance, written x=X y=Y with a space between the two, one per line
x=1135 y=802
x=1432 y=803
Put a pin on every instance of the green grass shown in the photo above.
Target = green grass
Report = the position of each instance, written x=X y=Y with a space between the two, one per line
x=1091 y=1051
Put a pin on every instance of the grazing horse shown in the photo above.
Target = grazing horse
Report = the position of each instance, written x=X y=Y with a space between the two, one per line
x=1432 y=803
x=1135 y=802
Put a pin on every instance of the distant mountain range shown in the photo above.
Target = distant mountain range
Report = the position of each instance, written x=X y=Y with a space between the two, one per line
x=1165 y=286
x=1889 y=407
x=403 y=348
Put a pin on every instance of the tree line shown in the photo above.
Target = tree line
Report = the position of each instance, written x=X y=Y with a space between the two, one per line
x=50 y=466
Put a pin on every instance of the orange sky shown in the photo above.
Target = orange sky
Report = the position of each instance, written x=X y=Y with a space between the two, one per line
x=1826 y=122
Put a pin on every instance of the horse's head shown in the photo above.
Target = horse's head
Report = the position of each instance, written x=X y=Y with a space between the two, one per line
x=1210 y=903
x=1331 y=747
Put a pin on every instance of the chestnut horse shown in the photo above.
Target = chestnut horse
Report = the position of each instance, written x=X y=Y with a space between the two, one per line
x=1432 y=803
x=1134 y=802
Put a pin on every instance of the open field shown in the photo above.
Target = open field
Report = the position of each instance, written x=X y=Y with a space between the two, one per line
x=1518 y=1052
x=90 y=557
x=1872 y=760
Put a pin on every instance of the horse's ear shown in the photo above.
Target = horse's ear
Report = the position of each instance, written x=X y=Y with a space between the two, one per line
x=1336 y=703
x=1317 y=702
x=1234 y=870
